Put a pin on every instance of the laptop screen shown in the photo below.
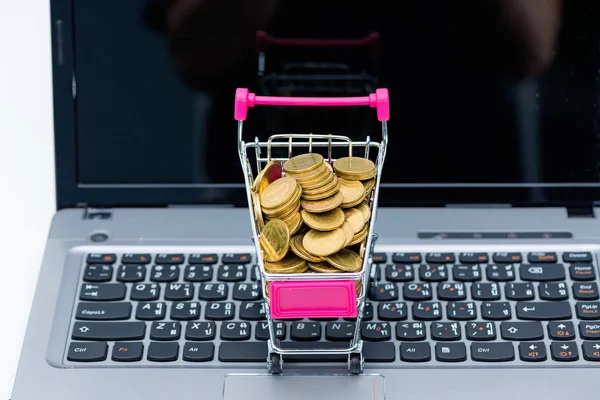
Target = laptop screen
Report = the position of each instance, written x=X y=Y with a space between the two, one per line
x=482 y=92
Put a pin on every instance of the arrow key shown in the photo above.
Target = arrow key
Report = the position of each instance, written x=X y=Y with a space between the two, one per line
x=532 y=351
x=561 y=330
x=564 y=351
x=591 y=351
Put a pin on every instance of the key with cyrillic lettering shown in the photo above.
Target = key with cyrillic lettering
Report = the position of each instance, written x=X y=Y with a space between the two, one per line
x=87 y=351
x=543 y=311
x=103 y=311
x=109 y=331
x=102 y=292
x=492 y=352
x=541 y=272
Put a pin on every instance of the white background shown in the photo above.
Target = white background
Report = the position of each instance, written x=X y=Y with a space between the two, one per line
x=27 y=197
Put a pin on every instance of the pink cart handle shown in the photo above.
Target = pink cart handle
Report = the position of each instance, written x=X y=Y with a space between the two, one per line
x=380 y=100
x=263 y=39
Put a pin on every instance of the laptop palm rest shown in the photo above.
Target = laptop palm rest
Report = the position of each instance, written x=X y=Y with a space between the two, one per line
x=302 y=387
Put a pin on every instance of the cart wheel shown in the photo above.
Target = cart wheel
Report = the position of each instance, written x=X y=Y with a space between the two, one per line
x=275 y=363
x=355 y=363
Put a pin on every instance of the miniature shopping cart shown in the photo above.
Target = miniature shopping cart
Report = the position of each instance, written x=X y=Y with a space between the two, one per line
x=308 y=295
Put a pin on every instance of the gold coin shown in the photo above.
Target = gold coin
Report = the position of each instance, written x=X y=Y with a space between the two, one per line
x=324 y=205
x=324 y=267
x=318 y=182
x=353 y=192
x=294 y=223
x=355 y=218
x=286 y=207
x=258 y=215
x=328 y=165
x=348 y=231
x=359 y=237
x=303 y=163
x=275 y=240
x=298 y=248
x=346 y=260
x=278 y=192
x=324 y=243
x=333 y=184
x=363 y=248
x=269 y=174
x=354 y=168
x=291 y=264
x=365 y=210
x=311 y=176
x=326 y=221
x=369 y=185
x=320 y=196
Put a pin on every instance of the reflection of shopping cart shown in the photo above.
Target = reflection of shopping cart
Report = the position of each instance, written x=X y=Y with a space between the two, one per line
x=312 y=295
x=316 y=68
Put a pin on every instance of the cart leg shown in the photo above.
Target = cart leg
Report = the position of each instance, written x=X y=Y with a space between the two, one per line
x=355 y=363
x=275 y=363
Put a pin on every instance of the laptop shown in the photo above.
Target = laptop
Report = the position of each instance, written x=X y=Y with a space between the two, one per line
x=484 y=276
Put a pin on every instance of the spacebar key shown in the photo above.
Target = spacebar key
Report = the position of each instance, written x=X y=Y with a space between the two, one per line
x=243 y=352
x=543 y=311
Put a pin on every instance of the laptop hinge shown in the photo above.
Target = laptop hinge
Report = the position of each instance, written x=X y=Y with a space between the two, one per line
x=97 y=213
x=581 y=210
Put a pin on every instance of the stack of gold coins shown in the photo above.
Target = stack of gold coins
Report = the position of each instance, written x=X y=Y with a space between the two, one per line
x=312 y=216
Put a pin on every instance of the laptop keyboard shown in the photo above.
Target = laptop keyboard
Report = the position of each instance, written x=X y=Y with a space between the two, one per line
x=422 y=309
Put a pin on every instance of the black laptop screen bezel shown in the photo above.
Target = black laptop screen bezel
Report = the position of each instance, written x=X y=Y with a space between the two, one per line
x=70 y=193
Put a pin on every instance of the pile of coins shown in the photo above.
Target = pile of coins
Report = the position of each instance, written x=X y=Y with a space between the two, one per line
x=312 y=216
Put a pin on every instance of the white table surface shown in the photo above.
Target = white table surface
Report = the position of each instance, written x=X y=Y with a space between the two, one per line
x=26 y=168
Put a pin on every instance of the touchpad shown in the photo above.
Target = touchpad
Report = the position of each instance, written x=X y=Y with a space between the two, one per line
x=303 y=387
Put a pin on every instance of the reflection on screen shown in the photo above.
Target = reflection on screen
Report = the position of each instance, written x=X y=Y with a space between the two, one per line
x=490 y=92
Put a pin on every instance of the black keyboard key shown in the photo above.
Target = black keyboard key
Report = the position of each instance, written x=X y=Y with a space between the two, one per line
x=169 y=259
x=415 y=352
x=440 y=258
x=375 y=273
x=589 y=310
x=149 y=311
x=543 y=311
x=492 y=352
x=247 y=291
x=87 y=351
x=213 y=291
x=473 y=258
x=165 y=331
x=385 y=292
x=200 y=331
x=103 y=291
x=532 y=351
x=101 y=258
x=519 y=291
x=450 y=352
x=496 y=311
x=481 y=331
x=179 y=291
x=591 y=351
x=236 y=331
x=461 y=311
x=561 y=330
x=392 y=311
x=379 y=352
x=103 y=311
x=142 y=259
x=411 y=331
x=145 y=292
x=127 y=351
x=185 y=311
x=500 y=273
x=236 y=258
x=98 y=273
x=406 y=258
x=507 y=258
x=564 y=351
x=232 y=273
x=521 y=331
x=549 y=257
x=131 y=273
x=203 y=259
x=553 y=291
x=451 y=291
x=337 y=331
x=589 y=330
x=433 y=273
x=582 y=272
x=306 y=331
x=541 y=273
x=399 y=273
x=427 y=311
x=198 y=273
x=109 y=331
x=485 y=291
x=445 y=331
x=379 y=258
x=585 y=291
x=163 y=351
x=243 y=352
x=577 y=257
x=253 y=311
x=164 y=273
x=220 y=311
x=376 y=331
x=198 y=352
x=417 y=291
x=466 y=273
x=262 y=330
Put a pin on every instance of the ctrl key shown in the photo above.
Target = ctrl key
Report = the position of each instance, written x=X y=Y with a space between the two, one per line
x=87 y=351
